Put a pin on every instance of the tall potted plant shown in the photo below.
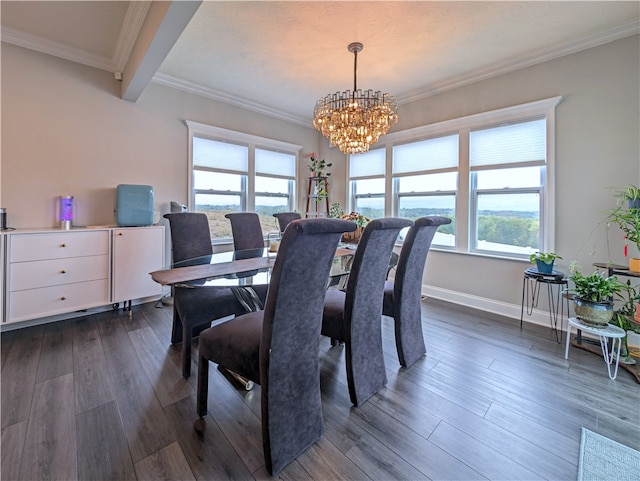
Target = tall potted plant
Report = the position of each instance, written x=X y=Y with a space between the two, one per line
x=623 y=317
x=627 y=218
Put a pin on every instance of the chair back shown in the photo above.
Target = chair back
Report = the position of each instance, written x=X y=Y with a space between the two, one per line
x=284 y=218
x=246 y=230
x=407 y=283
x=363 y=306
x=289 y=365
x=190 y=235
x=403 y=302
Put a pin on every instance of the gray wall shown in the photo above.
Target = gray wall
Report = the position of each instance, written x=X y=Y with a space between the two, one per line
x=65 y=131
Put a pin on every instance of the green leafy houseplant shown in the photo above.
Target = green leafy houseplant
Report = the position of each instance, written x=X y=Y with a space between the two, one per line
x=623 y=315
x=544 y=261
x=335 y=210
x=316 y=166
x=596 y=287
x=546 y=257
x=628 y=220
x=632 y=195
x=593 y=299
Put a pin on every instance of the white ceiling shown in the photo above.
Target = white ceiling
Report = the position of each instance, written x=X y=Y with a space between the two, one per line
x=280 y=57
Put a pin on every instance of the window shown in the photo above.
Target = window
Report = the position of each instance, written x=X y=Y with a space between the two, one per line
x=491 y=173
x=507 y=166
x=236 y=172
x=367 y=183
x=425 y=181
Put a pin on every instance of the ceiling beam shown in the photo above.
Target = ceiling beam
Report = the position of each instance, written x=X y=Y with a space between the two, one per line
x=163 y=25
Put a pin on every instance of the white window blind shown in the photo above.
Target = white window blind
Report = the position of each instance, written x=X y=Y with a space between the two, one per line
x=432 y=154
x=367 y=164
x=275 y=163
x=509 y=144
x=221 y=155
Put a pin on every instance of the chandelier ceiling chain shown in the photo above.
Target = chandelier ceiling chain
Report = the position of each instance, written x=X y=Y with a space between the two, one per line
x=353 y=120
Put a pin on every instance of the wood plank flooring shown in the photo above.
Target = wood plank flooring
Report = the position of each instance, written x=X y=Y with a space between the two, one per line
x=101 y=398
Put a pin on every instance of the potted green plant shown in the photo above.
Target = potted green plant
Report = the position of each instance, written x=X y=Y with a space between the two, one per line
x=623 y=317
x=544 y=261
x=593 y=296
x=632 y=195
x=317 y=167
x=335 y=210
x=628 y=220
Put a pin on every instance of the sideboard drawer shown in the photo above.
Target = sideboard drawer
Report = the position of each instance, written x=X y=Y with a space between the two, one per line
x=36 y=274
x=33 y=247
x=49 y=301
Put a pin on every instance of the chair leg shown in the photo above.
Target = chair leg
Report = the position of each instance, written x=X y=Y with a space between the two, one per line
x=203 y=386
x=176 y=328
x=187 y=338
x=202 y=395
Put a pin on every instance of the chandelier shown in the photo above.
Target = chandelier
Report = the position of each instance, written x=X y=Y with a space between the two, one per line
x=353 y=120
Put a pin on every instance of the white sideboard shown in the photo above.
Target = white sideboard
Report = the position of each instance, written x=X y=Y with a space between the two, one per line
x=136 y=252
x=52 y=272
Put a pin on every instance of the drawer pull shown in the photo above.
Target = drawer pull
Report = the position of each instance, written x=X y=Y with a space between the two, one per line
x=63 y=298
x=120 y=234
x=63 y=245
x=63 y=271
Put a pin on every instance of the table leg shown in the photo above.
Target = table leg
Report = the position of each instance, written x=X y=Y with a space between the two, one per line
x=566 y=346
x=555 y=308
x=524 y=280
x=608 y=356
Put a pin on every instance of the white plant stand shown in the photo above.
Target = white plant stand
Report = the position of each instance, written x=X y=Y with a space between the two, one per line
x=603 y=334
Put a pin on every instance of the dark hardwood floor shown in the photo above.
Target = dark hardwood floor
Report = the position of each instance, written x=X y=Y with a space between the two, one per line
x=101 y=397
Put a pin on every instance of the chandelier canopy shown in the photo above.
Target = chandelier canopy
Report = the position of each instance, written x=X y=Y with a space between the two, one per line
x=353 y=120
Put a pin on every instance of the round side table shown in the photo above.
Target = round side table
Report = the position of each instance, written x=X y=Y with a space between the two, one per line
x=603 y=333
x=556 y=282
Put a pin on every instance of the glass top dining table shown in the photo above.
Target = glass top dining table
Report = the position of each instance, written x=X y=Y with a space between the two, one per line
x=238 y=269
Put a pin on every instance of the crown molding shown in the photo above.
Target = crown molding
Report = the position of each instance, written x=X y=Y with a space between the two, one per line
x=133 y=21
x=186 y=86
x=39 y=44
x=533 y=58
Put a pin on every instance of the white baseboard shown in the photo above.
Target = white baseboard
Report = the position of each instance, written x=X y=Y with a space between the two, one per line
x=539 y=317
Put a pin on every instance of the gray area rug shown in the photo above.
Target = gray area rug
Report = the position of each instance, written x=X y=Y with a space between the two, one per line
x=604 y=459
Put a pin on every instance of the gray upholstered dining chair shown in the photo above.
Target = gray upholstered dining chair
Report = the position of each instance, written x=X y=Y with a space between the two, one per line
x=402 y=295
x=246 y=230
x=278 y=347
x=284 y=218
x=194 y=307
x=354 y=316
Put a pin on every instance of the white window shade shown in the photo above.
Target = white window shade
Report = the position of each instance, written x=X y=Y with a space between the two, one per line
x=367 y=164
x=432 y=154
x=509 y=144
x=275 y=163
x=220 y=155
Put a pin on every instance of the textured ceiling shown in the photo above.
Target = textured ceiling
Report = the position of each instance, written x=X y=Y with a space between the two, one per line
x=288 y=54
x=283 y=56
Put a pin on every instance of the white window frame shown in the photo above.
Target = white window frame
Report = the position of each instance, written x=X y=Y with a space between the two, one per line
x=541 y=108
x=252 y=142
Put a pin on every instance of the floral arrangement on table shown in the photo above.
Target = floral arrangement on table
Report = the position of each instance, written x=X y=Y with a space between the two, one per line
x=360 y=220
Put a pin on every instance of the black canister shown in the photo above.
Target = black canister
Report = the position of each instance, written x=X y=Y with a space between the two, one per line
x=3 y=218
